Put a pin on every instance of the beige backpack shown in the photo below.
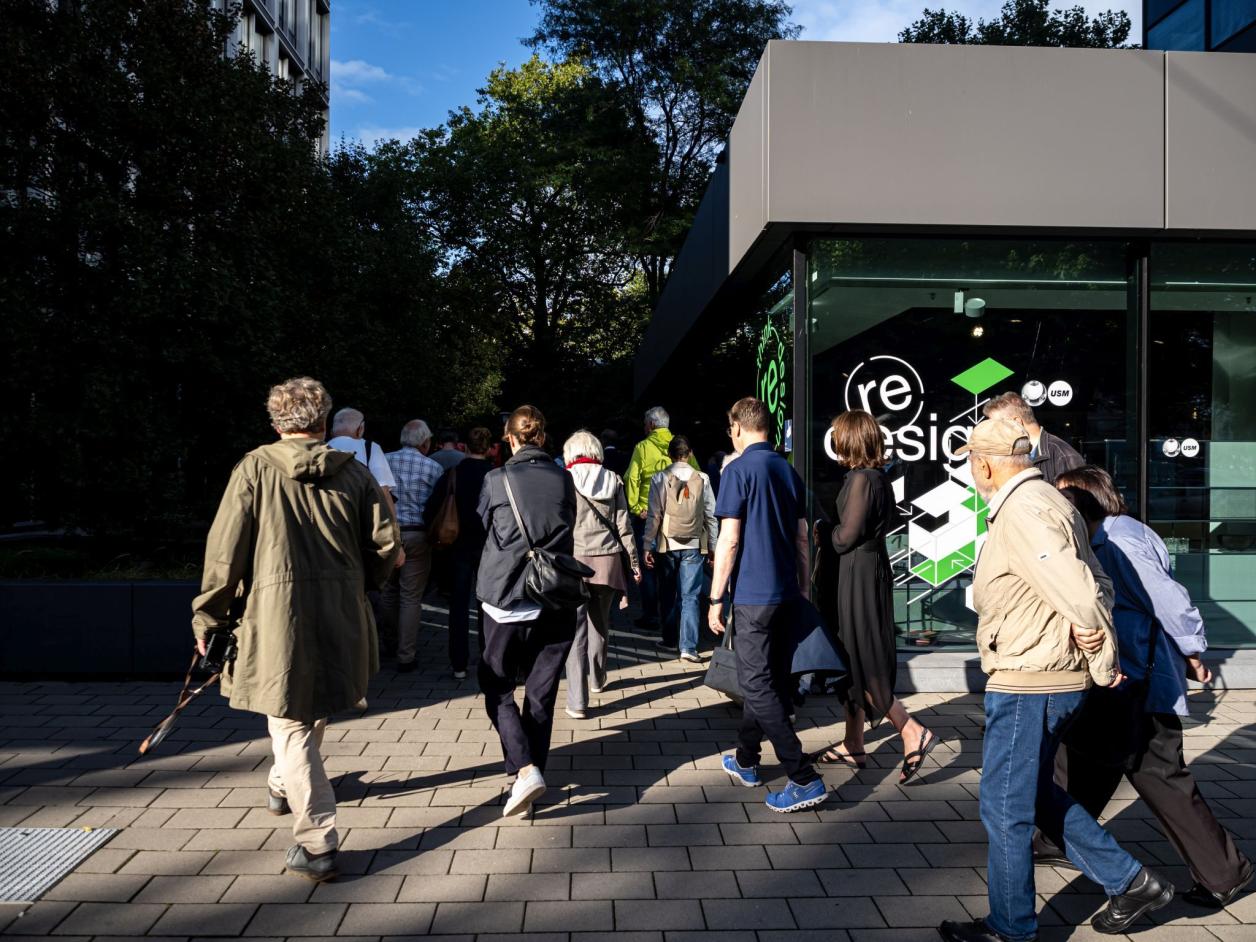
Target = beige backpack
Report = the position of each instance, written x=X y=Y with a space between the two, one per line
x=684 y=511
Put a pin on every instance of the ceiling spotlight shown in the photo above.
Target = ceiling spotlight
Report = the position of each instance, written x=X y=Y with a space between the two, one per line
x=979 y=331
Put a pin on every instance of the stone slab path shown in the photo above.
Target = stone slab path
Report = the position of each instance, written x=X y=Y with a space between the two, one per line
x=641 y=835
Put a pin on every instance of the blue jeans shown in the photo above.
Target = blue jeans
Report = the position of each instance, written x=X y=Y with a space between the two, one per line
x=1018 y=791
x=684 y=569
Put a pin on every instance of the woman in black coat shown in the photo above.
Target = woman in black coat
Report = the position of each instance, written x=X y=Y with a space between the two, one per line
x=520 y=638
x=858 y=594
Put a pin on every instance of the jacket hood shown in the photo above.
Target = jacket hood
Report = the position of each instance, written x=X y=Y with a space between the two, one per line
x=303 y=458
x=594 y=481
x=661 y=437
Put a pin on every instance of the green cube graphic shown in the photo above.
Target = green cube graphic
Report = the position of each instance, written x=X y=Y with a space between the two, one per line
x=937 y=571
x=977 y=379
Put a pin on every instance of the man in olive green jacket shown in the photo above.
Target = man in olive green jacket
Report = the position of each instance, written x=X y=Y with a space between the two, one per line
x=301 y=531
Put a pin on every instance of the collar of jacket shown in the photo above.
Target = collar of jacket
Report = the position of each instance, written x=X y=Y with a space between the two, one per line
x=1010 y=485
x=529 y=453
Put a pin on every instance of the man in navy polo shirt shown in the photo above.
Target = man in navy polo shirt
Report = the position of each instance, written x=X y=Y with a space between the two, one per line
x=764 y=551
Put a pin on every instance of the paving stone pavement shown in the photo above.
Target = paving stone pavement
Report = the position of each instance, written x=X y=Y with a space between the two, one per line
x=640 y=835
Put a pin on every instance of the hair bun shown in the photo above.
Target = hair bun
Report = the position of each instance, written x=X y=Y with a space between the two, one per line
x=527 y=424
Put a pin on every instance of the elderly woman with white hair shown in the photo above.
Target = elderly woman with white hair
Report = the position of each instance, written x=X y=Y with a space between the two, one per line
x=604 y=543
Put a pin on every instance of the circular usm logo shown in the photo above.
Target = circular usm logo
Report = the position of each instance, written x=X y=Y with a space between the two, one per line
x=773 y=386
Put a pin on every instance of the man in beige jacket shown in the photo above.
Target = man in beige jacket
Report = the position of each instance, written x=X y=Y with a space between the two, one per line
x=1041 y=597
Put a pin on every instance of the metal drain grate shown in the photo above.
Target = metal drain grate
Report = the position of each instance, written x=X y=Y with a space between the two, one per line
x=33 y=859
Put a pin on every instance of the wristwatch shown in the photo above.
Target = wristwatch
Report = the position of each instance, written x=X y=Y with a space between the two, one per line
x=715 y=601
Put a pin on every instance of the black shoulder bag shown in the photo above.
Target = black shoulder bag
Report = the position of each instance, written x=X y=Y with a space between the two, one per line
x=721 y=673
x=1110 y=727
x=554 y=581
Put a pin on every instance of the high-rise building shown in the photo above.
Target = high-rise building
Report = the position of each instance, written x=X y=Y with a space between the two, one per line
x=1200 y=25
x=292 y=38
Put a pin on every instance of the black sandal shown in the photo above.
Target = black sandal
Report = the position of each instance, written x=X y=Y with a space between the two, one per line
x=857 y=760
x=914 y=760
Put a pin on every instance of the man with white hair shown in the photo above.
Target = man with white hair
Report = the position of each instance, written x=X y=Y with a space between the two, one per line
x=648 y=459
x=1040 y=594
x=348 y=433
x=416 y=476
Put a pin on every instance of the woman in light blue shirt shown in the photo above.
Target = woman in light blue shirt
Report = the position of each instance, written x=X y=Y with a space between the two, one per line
x=1151 y=613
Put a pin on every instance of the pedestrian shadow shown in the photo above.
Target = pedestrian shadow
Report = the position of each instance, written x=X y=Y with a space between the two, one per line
x=1074 y=899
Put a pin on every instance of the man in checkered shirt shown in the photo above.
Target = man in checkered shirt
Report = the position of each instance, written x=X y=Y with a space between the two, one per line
x=416 y=476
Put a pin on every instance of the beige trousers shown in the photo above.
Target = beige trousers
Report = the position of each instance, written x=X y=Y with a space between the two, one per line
x=298 y=775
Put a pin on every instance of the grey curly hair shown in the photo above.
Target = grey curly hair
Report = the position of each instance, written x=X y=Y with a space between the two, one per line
x=296 y=405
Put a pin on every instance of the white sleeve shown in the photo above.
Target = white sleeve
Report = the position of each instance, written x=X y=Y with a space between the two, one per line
x=381 y=468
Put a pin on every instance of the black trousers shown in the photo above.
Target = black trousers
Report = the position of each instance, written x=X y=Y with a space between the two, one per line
x=763 y=641
x=666 y=580
x=464 y=566
x=536 y=653
x=1158 y=772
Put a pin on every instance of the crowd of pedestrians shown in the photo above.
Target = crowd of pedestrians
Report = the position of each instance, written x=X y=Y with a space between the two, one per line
x=1086 y=640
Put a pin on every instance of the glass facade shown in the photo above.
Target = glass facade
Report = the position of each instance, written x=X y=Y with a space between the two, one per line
x=1200 y=25
x=921 y=333
x=1157 y=384
x=1202 y=426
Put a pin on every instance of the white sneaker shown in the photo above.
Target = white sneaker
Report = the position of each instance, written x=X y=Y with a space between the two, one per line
x=594 y=688
x=526 y=790
x=576 y=714
x=692 y=656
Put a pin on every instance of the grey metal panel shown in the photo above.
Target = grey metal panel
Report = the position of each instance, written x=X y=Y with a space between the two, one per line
x=698 y=273
x=1210 y=141
x=748 y=164
x=916 y=135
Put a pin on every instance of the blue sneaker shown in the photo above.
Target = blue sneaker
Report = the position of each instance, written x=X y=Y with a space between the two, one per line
x=794 y=797
x=748 y=777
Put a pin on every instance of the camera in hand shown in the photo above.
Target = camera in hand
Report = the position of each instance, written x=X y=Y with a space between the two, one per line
x=220 y=650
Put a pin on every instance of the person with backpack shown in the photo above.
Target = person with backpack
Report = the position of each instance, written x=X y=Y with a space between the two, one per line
x=603 y=538
x=681 y=524
x=649 y=457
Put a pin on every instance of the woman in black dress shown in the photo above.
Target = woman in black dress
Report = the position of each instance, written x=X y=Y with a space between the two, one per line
x=858 y=596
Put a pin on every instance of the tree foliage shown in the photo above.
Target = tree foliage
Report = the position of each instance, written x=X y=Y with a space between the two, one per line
x=171 y=243
x=1023 y=23
x=681 y=68
x=527 y=195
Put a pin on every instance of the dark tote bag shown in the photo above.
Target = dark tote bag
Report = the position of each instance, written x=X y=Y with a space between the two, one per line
x=1110 y=726
x=721 y=673
x=815 y=646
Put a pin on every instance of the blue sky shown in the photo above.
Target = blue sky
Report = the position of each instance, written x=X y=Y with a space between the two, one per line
x=401 y=65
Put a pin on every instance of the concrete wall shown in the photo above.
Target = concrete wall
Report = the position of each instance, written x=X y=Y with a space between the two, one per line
x=883 y=134
x=1210 y=141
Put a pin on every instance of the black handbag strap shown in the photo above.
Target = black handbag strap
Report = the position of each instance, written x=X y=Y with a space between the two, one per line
x=605 y=522
x=514 y=508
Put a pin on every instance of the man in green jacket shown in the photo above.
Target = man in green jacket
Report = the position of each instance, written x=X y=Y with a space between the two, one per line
x=648 y=459
x=301 y=531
